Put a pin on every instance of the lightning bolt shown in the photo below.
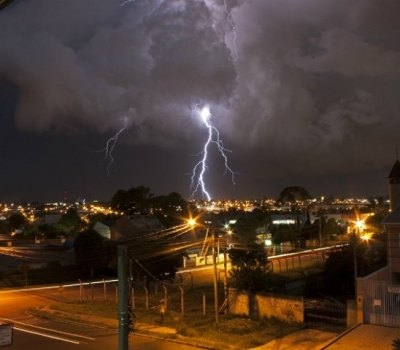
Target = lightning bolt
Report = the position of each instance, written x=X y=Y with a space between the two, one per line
x=111 y=143
x=231 y=22
x=126 y=2
x=201 y=166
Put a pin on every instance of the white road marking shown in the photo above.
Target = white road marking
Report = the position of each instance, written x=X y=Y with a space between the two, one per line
x=49 y=329
x=48 y=336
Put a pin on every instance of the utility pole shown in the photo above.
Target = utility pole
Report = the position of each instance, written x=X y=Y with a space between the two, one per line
x=226 y=302
x=355 y=263
x=216 y=303
x=320 y=228
x=123 y=317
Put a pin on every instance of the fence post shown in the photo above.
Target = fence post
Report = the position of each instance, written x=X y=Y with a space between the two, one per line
x=104 y=289
x=182 y=302
x=165 y=298
x=204 y=304
x=226 y=291
x=147 y=297
x=80 y=290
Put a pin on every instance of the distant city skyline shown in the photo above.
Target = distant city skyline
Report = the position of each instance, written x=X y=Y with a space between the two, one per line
x=303 y=93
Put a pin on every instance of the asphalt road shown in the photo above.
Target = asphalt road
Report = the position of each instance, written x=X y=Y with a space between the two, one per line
x=61 y=336
x=35 y=333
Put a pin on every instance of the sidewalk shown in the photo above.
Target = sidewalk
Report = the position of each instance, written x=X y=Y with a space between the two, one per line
x=361 y=337
x=307 y=339
x=365 y=337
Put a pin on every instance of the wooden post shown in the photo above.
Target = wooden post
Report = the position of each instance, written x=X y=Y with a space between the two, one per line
x=147 y=297
x=226 y=286
x=165 y=298
x=104 y=289
x=80 y=290
x=216 y=303
x=182 y=302
x=204 y=304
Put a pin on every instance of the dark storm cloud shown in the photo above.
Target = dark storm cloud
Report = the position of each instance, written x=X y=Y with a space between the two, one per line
x=95 y=62
x=310 y=82
x=313 y=81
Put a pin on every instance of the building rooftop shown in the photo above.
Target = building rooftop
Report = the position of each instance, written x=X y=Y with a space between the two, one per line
x=393 y=217
x=395 y=172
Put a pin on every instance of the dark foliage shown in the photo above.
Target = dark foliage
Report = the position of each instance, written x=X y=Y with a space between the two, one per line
x=17 y=220
x=134 y=200
x=396 y=344
x=339 y=267
x=293 y=193
x=92 y=253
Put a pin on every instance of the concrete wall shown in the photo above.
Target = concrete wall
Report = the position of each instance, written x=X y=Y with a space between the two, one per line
x=286 y=309
x=283 y=308
x=351 y=313
x=239 y=303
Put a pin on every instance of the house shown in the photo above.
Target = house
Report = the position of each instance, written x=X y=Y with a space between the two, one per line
x=102 y=229
x=48 y=219
x=135 y=226
x=378 y=294
x=392 y=224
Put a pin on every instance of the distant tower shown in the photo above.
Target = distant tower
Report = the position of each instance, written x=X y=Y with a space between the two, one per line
x=394 y=185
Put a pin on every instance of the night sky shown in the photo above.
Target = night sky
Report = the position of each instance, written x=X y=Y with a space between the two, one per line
x=303 y=92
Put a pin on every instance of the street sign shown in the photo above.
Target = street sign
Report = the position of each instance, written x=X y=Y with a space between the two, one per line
x=6 y=334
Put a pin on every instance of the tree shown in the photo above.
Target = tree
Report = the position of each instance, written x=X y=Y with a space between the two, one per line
x=283 y=233
x=92 y=253
x=292 y=195
x=396 y=343
x=69 y=223
x=17 y=220
x=4 y=227
x=170 y=209
x=249 y=267
x=136 y=199
x=249 y=258
x=339 y=267
x=331 y=228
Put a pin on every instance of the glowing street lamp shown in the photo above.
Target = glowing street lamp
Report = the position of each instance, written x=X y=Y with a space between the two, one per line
x=365 y=237
x=191 y=222
x=360 y=225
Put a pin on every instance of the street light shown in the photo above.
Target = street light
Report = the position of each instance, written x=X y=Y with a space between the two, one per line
x=365 y=237
x=191 y=222
x=360 y=225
